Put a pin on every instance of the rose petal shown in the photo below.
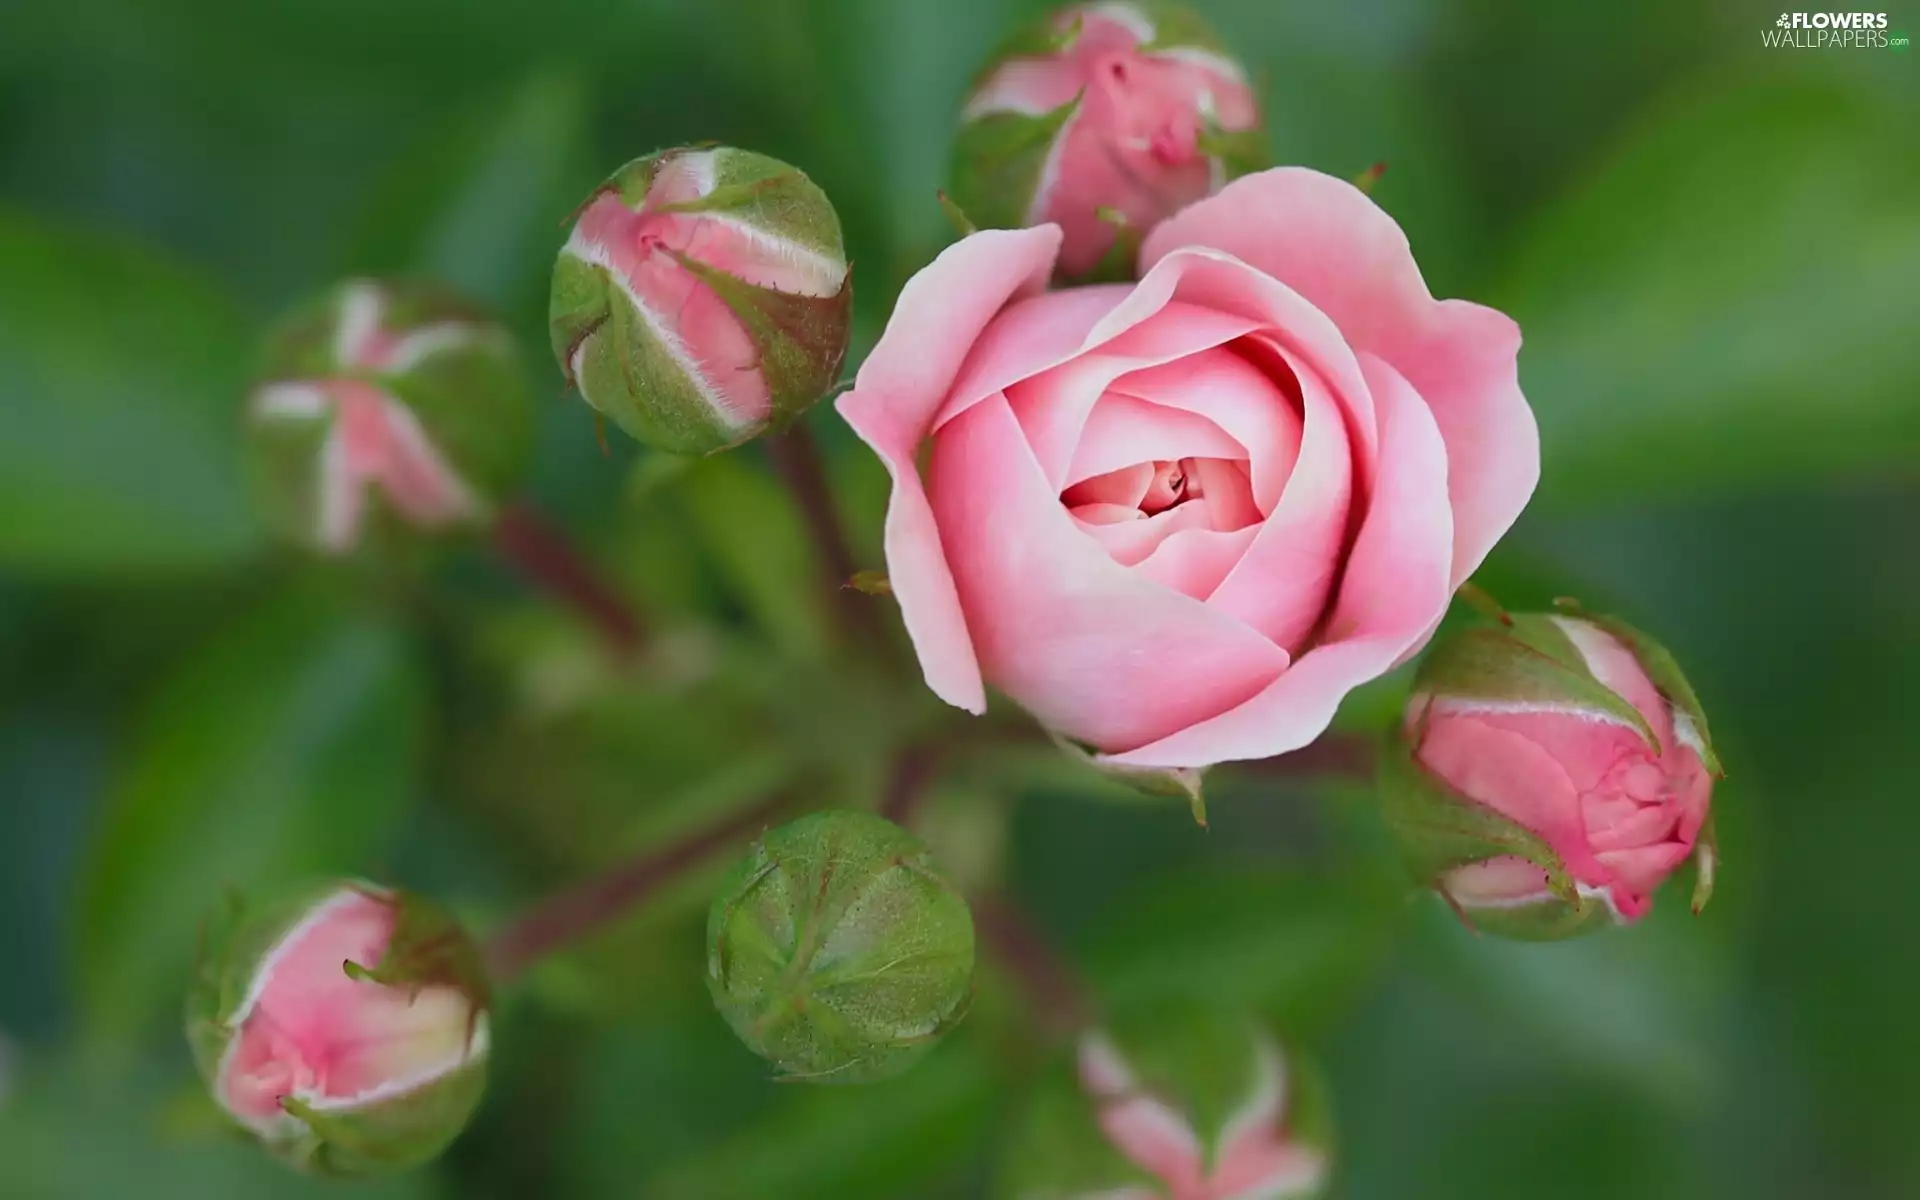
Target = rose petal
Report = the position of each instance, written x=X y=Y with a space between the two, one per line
x=1121 y=431
x=1513 y=775
x=1029 y=336
x=1327 y=241
x=1227 y=493
x=1125 y=487
x=1130 y=541
x=1396 y=584
x=1091 y=649
x=1223 y=386
x=1054 y=405
x=1194 y=561
x=1283 y=584
x=902 y=384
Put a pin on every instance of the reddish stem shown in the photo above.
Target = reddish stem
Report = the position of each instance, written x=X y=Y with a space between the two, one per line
x=1352 y=755
x=796 y=459
x=913 y=768
x=565 y=917
x=1058 y=998
x=549 y=562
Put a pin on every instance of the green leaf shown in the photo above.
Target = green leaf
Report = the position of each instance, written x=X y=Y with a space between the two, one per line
x=478 y=202
x=1289 y=944
x=120 y=382
x=892 y=1139
x=284 y=748
x=753 y=534
x=74 y=1131
x=1730 y=300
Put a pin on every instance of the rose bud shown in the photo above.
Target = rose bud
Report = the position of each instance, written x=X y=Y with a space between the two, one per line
x=1555 y=771
x=1177 y=521
x=1104 y=119
x=1194 y=1106
x=703 y=298
x=385 y=406
x=345 y=1028
x=837 y=951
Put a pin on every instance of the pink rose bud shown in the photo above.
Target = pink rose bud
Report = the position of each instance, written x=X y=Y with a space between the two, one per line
x=385 y=409
x=1104 y=119
x=703 y=298
x=346 y=1029
x=1195 y=1105
x=1556 y=770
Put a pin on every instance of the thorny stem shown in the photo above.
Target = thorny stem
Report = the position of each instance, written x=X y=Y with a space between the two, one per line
x=544 y=557
x=579 y=910
x=1058 y=998
x=796 y=458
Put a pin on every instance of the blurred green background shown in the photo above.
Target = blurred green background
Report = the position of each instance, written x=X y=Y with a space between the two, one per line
x=1713 y=249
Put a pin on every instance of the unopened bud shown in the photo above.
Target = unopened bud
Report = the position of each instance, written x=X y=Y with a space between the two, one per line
x=1554 y=771
x=385 y=408
x=1104 y=119
x=703 y=298
x=1189 y=1103
x=837 y=951
x=345 y=1028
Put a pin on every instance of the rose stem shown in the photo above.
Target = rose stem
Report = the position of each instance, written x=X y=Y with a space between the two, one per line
x=796 y=459
x=907 y=780
x=543 y=556
x=579 y=910
x=1055 y=993
x=1348 y=755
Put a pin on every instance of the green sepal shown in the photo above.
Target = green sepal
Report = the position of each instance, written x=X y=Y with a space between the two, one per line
x=802 y=340
x=1551 y=920
x=769 y=195
x=1668 y=679
x=634 y=180
x=1117 y=264
x=1238 y=151
x=1177 y=27
x=1439 y=828
x=1172 y=783
x=395 y=1134
x=626 y=373
x=429 y=948
x=1043 y=37
x=1706 y=864
x=1531 y=661
x=998 y=160
x=837 y=951
x=963 y=225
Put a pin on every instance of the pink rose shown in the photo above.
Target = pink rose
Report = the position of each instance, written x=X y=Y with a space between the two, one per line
x=1581 y=732
x=1178 y=520
x=1127 y=115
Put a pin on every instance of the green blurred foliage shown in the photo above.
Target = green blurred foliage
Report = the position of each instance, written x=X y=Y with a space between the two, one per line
x=1712 y=249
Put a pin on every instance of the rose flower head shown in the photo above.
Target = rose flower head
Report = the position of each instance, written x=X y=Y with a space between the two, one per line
x=702 y=298
x=1555 y=771
x=1178 y=520
x=385 y=407
x=345 y=1028
x=1104 y=119
x=1192 y=1104
x=838 y=951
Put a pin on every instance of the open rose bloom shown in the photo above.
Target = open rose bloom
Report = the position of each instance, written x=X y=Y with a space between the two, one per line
x=1194 y=1106
x=1178 y=520
x=355 y=1040
x=1558 y=770
x=1105 y=119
